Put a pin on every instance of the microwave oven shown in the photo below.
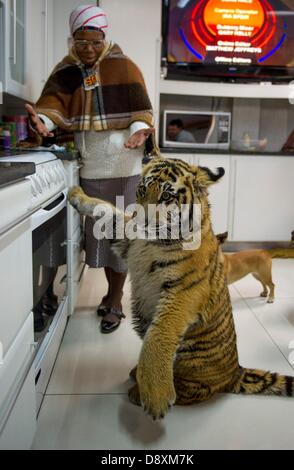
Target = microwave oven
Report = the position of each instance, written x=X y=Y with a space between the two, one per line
x=196 y=129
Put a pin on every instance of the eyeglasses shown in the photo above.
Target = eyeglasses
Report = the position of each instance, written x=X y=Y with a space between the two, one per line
x=83 y=44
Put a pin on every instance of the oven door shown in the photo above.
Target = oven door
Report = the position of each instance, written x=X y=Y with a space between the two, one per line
x=49 y=234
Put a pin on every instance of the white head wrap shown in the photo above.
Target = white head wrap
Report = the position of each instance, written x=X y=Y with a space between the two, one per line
x=87 y=16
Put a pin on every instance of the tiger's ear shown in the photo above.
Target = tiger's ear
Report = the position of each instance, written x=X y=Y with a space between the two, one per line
x=222 y=237
x=151 y=150
x=206 y=177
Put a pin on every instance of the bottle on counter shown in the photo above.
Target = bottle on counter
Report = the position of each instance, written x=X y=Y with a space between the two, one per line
x=22 y=127
x=6 y=139
x=11 y=127
x=20 y=124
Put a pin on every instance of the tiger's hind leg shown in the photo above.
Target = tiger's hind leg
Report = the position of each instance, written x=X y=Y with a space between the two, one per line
x=189 y=392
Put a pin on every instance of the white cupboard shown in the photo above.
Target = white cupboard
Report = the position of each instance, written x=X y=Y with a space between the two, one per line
x=218 y=192
x=16 y=24
x=263 y=198
x=26 y=30
x=254 y=199
x=40 y=40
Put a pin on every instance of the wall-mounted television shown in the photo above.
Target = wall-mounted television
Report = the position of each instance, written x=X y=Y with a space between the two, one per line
x=235 y=40
x=196 y=129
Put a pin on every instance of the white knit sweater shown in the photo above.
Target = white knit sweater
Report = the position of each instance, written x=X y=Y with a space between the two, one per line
x=103 y=153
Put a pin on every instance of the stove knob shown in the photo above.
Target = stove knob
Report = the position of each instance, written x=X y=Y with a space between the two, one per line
x=42 y=181
x=57 y=175
x=44 y=178
x=54 y=175
x=60 y=175
x=39 y=184
x=33 y=187
x=51 y=176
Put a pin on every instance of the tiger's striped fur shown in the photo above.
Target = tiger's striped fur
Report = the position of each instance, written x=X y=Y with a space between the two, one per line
x=180 y=302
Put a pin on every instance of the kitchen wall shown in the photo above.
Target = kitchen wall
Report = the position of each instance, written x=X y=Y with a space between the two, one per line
x=136 y=26
x=62 y=10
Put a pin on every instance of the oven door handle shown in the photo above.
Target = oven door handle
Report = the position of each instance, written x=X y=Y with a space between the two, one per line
x=42 y=215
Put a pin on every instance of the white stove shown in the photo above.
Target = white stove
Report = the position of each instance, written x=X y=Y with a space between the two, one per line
x=49 y=178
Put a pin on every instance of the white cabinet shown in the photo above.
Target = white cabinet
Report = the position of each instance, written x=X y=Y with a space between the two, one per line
x=16 y=21
x=26 y=30
x=15 y=261
x=20 y=428
x=254 y=199
x=263 y=198
x=218 y=192
x=17 y=391
x=16 y=273
x=136 y=27
x=40 y=40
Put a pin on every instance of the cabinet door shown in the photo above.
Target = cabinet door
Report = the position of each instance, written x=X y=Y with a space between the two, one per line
x=39 y=51
x=2 y=48
x=219 y=192
x=16 y=47
x=264 y=194
x=17 y=391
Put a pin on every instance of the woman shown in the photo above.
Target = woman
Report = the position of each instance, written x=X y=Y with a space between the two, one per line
x=99 y=94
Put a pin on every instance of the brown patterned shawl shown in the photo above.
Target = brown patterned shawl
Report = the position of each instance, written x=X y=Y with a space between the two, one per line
x=119 y=100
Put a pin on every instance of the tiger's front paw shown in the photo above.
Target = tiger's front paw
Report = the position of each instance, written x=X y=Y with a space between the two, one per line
x=134 y=395
x=156 y=396
x=74 y=196
x=133 y=374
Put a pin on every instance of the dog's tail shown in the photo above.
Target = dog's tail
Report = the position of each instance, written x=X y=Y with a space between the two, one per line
x=281 y=252
x=254 y=381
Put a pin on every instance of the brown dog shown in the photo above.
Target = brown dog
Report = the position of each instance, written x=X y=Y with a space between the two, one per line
x=256 y=262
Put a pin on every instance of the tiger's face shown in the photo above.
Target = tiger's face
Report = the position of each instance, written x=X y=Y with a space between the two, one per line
x=174 y=183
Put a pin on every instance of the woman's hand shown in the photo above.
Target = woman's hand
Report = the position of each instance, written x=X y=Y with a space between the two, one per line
x=36 y=122
x=138 y=138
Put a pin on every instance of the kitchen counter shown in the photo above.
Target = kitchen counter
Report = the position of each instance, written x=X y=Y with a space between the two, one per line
x=62 y=155
x=13 y=172
x=200 y=151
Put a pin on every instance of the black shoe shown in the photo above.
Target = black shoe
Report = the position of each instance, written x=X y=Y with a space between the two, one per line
x=39 y=323
x=50 y=304
x=49 y=309
x=107 y=326
x=102 y=310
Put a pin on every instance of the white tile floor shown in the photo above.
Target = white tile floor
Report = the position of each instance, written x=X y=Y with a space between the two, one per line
x=86 y=405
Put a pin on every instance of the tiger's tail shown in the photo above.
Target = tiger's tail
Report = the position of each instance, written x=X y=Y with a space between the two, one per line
x=281 y=252
x=254 y=381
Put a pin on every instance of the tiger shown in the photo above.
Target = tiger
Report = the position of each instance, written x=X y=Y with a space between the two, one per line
x=180 y=301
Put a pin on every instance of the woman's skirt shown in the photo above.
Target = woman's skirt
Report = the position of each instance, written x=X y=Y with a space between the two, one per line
x=98 y=252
